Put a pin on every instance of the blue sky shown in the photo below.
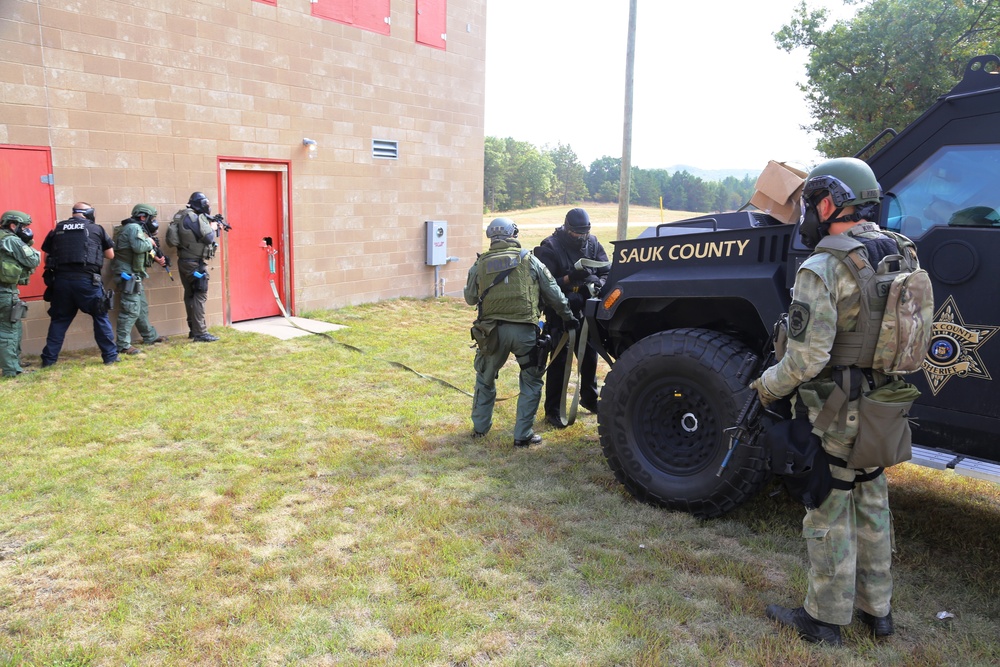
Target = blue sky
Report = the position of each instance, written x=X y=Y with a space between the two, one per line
x=712 y=90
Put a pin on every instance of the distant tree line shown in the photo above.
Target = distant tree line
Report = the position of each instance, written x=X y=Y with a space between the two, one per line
x=518 y=175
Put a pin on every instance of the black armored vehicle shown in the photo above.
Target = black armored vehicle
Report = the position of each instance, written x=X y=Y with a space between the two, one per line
x=687 y=304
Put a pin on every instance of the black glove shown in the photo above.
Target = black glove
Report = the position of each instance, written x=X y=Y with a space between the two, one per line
x=573 y=324
x=578 y=275
x=576 y=301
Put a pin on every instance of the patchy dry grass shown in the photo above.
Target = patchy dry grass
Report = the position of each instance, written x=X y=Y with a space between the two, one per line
x=537 y=223
x=266 y=502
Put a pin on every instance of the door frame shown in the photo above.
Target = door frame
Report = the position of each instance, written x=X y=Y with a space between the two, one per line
x=227 y=164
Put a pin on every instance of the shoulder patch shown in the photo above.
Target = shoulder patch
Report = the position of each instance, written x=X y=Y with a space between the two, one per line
x=798 y=320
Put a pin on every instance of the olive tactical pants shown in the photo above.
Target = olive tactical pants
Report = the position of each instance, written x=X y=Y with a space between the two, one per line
x=850 y=542
x=194 y=296
x=133 y=310
x=10 y=333
x=519 y=340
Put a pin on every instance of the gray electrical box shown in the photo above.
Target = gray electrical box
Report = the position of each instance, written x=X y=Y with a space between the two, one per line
x=437 y=242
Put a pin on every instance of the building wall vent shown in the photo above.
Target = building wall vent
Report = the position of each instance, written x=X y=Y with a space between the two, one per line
x=382 y=148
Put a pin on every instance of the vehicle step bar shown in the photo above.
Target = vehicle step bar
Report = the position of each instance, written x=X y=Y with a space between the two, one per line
x=963 y=465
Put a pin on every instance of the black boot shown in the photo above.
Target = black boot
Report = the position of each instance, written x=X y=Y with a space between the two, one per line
x=809 y=628
x=532 y=439
x=881 y=626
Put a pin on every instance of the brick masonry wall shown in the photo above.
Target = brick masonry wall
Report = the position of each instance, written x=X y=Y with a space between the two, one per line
x=139 y=99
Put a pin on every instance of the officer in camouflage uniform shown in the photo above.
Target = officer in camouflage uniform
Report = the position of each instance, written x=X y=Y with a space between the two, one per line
x=133 y=255
x=192 y=232
x=510 y=304
x=849 y=536
x=17 y=262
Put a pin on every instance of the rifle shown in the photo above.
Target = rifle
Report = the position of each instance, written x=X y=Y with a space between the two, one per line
x=158 y=254
x=749 y=424
x=222 y=222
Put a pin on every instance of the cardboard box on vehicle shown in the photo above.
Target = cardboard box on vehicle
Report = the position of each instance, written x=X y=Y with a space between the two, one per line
x=778 y=190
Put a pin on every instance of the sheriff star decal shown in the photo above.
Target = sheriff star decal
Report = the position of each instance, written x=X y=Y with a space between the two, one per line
x=954 y=349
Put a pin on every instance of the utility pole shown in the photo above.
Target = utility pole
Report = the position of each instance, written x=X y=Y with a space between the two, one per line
x=625 y=185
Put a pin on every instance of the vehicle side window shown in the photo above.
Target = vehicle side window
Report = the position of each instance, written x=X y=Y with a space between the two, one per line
x=957 y=186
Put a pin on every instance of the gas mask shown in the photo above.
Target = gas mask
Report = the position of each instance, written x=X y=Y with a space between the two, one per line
x=88 y=213
x=25 y=234
x=811 y=230
x=573 y=239
x=151 y=226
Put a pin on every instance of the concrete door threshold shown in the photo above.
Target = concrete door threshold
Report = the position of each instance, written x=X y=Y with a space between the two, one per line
x=279 y=327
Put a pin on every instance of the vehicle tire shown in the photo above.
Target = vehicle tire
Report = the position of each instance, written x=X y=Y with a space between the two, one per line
x=662 y=417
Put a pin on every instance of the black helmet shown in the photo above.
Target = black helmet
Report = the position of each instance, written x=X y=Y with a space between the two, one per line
x=198 y=202
x=577 y=221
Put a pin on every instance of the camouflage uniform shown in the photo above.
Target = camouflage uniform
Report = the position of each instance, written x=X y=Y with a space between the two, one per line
x=849 y=537
x=132 y=258
x=514 y=305
x=14 y=251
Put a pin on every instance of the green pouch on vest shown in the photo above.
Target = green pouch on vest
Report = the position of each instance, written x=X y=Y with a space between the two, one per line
x=884 y=438
x=10 y=271
x=482 y=333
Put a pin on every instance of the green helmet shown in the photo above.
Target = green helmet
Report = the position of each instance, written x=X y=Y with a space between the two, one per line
x=850 y=181
x=143 y=209
x=15 y=218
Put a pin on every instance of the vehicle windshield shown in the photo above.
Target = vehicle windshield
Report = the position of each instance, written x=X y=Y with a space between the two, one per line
x=957 y=186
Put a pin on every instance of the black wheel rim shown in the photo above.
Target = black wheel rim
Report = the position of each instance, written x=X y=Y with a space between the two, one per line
x=676 y=426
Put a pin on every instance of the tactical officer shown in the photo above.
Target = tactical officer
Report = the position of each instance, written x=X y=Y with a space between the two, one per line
x=849 y=535
x=75 y=252
x=561 y=253
x=17 y=262
x=134 y=253
x=506 y=284
x=192 y=232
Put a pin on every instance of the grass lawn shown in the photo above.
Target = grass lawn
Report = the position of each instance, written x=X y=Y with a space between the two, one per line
x=537 y=223
x=267 y=502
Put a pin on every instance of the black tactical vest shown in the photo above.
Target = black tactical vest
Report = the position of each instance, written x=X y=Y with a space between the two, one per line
x=76 y=246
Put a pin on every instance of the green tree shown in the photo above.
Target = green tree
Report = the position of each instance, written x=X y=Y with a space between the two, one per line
x=603 y=170
x=568 y=183
x=647 y=187
x=495 y=171
x=886 y=65
x=529 y=176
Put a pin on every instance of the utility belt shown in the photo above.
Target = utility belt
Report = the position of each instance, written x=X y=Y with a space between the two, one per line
x=130 y=283
x=94 y=277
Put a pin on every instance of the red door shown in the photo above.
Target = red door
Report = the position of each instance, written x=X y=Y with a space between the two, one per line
x=24 y=172
x=254 y=207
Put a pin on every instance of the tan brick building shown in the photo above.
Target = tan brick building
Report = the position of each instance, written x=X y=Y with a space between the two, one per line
x=117 y=102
